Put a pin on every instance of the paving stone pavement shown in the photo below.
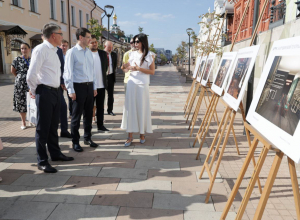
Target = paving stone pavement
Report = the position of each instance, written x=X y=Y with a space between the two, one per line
x=157 y=180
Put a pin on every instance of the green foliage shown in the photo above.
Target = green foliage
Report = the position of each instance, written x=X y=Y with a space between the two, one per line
x=151 y=48
x=163 y=58
x=140 y=29
x=95 y=28
x=174 y=58
x=182 y=50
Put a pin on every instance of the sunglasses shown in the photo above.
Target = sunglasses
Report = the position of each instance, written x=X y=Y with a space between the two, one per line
x=132 y=42
x=137 y=42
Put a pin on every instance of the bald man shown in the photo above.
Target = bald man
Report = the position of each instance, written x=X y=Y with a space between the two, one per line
x=111 y=76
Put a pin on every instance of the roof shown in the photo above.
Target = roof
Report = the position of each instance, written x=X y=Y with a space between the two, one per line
x=111 y=37
x=36 y=37
x=12 y=30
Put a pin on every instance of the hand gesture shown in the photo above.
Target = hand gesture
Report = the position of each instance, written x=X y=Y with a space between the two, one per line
x=72 y=96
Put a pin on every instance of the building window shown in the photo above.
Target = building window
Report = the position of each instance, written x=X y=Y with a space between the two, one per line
x=16 y=3
x=87 y=20
x=52 y=9
x=73 y=16
x=62 y=7
x=33 y=6
x=80 y=18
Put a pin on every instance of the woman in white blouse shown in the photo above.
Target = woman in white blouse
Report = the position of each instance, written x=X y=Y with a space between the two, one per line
x=137 y=113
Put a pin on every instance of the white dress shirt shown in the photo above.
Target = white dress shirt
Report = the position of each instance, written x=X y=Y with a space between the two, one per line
x=44 y=67
x=110 y=64
x=79 y=67
x=98 y=70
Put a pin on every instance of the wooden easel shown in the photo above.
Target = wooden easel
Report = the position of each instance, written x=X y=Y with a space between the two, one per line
x=270 y=180
x=204 y=89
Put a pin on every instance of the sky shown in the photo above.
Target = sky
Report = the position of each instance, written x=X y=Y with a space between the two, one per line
x=165 y=21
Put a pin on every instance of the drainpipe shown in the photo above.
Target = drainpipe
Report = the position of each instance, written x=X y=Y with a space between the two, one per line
x=93 y=9
x=69 y=23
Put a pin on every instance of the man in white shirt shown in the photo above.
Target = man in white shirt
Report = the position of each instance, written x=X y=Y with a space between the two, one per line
x=43 y=78
x=100 y=69
x=80 y=81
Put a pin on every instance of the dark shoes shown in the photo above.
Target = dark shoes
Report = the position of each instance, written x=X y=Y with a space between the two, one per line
x=103 y=129
x=47 y=168
x=62 y=157
x=91 y=143
x=111 y=113
x=65 y=134
x=77 y=148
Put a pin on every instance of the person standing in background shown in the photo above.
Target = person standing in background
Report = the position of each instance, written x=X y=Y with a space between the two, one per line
x=63 y=105
x=65 y=46
x=19 y=68
x=111 y=76
x=100 y=69
x=80 y=81
x=125 y=60
x=43 y=79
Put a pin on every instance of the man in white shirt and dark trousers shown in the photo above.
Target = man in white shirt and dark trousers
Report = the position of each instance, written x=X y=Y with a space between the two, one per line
x=111 y=76
x=80 y=81
x=43 y=78
x=100 y=69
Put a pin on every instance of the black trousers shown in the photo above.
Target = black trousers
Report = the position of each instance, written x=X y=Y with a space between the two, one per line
x=110 y=92
x=100 y=106
x=63 y=113
x=83 y=105
x=48 y=111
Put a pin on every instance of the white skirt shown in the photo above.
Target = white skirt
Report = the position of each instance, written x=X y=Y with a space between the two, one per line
x=136 y=110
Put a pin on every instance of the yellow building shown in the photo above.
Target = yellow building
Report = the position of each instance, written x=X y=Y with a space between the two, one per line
x=22 y=21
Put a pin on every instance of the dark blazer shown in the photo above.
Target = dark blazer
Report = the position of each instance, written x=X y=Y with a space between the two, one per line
x=104 y=66
x=114 y=63
x=62 y=64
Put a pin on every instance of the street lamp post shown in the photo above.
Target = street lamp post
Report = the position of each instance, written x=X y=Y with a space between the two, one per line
x=107 y=9
x=189 y=32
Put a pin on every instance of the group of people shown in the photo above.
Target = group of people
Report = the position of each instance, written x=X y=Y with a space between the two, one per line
x=85 y=72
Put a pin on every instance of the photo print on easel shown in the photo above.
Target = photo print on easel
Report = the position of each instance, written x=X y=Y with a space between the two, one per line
x=223 y=72
x=239 y=76
x=196 y=67
x=275 y=109
x=208 y=68
x=202 y=64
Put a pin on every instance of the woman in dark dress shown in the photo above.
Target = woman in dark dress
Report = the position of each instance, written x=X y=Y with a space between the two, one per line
x=19 y=68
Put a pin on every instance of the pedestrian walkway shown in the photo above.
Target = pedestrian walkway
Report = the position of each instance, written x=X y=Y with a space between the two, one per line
x=156 y=180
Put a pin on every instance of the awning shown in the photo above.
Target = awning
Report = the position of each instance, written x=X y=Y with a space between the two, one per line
x=12 y=30
x=36 y=37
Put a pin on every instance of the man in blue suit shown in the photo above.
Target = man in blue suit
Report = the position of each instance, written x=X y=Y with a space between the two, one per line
x=63 y=106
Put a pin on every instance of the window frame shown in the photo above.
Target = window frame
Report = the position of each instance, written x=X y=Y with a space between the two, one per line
x=80 y=18
x=73 y=16
x=54 y=7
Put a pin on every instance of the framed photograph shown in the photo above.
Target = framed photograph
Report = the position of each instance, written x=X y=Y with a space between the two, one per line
x=208 y=68
x=224 y=68
x=198 y=60
x=202 y=65
x=275 y=109
x=239 y=76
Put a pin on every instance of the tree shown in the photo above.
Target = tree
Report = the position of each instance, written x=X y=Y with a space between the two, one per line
x=96 y=29
x=175 y=58
x=163 y=58
x=140 y=29
x=181 y=50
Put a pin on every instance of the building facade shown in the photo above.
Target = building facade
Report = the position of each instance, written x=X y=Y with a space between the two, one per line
x=169 y=54
x=22 y=21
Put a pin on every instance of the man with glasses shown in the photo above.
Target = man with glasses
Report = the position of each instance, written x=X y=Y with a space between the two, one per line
x=43 y=78
x=80 y=81
x=125 y=60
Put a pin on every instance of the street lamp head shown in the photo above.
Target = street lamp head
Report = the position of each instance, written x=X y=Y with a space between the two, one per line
x=189 y=31
x=108 y=9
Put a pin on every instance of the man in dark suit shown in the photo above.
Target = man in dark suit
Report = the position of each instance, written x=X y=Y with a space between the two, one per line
x=63 y=105
x=100 y=69
x=111 y=76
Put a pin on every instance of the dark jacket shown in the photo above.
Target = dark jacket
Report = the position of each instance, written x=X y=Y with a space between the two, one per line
x=114 y=64
x=104 y=66
x=62 y=64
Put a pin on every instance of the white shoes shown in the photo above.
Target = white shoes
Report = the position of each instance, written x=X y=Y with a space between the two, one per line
x=23 y=127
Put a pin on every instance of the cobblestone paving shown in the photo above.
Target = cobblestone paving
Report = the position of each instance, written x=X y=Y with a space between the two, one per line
x=157 y=180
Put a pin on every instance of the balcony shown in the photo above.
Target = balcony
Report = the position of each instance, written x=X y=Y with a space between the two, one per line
x=277 y=14
x=226 y=40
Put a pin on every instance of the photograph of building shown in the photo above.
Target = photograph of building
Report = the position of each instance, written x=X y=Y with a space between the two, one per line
x=225 y=64
x=279 y=101
x=238 y=77
x=207 y=69
x=201 y=67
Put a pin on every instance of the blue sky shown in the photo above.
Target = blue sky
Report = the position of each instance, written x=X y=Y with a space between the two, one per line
x=165 y=21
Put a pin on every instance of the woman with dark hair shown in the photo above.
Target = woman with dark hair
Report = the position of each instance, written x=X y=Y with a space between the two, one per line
x=19 y=68
x=137 y=113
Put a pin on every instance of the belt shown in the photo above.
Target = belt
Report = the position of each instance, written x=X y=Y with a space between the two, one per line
x=86 y=83
x=49 y=87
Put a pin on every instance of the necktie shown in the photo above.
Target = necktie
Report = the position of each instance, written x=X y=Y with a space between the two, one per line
x=108 y=69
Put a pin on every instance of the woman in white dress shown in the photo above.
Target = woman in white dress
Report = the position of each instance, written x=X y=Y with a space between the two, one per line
x=136 y=112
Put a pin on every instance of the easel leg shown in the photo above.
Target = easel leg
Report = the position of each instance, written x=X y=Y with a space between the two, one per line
x=240 y=178
x=220 y=157
x=235 y=141
x=189 y=96
x=295 y=186
x=196 y=112
x=269 y=184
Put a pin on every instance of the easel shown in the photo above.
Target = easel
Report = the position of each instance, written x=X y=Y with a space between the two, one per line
x=270 y=180
x=229 y=115
x=204 y=89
